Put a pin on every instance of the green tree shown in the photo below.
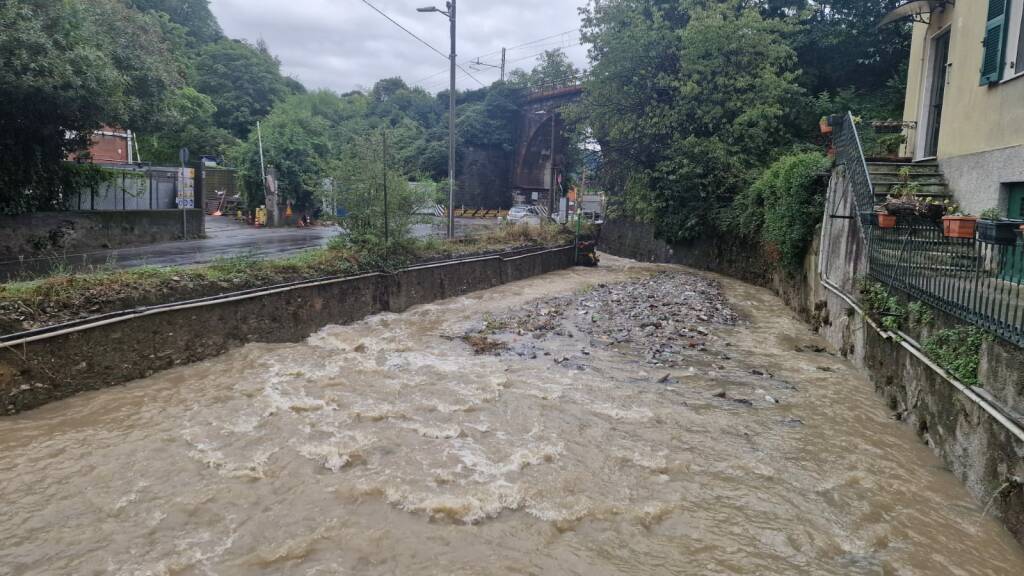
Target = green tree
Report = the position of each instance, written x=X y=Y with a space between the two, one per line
x=552 y=69
x=359 y=177
x=783 y=206
x=193 y=15
x=68 y=68
x=845 y=56
x=192 y=127
x=301 y=137
x=243 y=81
x=686 y=114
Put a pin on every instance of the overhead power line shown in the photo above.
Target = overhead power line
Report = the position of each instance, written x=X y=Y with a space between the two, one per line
x=531 y=43
x=421 y=40
x=537 y=41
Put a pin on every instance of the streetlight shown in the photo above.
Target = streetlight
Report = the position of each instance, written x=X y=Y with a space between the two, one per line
x=450 y=13
x=551 y=190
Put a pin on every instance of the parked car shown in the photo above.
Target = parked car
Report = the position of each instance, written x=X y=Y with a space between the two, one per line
x=524 y=215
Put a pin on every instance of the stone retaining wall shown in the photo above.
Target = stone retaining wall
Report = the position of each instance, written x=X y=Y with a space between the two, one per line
x=53 y=235
x=39 y=372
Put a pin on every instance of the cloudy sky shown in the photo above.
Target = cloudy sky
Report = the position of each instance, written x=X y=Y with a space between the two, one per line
x=345 y=45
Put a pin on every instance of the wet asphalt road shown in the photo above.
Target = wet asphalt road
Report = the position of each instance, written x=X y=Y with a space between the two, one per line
x=226 y=238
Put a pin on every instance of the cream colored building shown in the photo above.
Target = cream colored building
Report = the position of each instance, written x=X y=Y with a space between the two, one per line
x=965 y=98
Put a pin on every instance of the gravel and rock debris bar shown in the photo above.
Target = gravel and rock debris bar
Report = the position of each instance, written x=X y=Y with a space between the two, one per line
x=657 y=318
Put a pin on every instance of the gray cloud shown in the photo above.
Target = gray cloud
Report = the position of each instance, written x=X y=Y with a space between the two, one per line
x=345 y=45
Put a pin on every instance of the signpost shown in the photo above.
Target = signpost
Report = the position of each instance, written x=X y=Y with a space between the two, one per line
x=186 y=197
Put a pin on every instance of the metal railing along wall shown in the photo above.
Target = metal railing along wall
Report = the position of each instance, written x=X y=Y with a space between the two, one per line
x=850 y=155
x=979 y=282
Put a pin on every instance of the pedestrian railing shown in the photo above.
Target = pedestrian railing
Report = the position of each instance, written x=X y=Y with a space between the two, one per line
x=979 y=282
x=850 y=156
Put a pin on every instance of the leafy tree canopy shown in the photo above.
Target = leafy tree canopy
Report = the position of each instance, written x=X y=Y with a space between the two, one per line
x=68 y=68
x=686 y=111
x=552 y=69
x=243 y=81
x=193 y=15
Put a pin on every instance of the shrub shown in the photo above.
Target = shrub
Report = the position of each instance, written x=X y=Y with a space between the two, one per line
x=783 y=207
x=958 y=350
x=882 y=305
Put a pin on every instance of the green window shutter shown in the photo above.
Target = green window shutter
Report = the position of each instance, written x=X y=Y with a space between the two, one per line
x=995 y=42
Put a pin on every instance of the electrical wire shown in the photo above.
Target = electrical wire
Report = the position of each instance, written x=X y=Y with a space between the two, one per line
x=531 y=43
x=421 y=40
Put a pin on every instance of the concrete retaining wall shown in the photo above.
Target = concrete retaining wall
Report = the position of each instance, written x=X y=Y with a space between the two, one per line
x=39 y=372
x=974 y=446
x=53 y=234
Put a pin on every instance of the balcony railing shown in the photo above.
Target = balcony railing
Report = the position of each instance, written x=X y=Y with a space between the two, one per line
x=979 y=282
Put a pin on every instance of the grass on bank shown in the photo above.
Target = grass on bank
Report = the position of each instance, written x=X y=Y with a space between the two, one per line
x=66 y=296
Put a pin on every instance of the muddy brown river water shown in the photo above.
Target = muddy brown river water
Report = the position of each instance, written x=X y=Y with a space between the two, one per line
x=390 y=447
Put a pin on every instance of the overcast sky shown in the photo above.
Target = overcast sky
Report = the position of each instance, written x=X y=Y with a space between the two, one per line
x=344 y=45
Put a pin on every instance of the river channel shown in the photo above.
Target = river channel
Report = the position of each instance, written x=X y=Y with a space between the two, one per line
x=550 y=441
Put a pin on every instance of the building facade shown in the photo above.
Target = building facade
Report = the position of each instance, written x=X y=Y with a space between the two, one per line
x=109 y=146
x=965 y=99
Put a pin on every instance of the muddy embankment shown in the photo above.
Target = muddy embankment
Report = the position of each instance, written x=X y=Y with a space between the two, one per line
x=42 y=368
x=975 y=446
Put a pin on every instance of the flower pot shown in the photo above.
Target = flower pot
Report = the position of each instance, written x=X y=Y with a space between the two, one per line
x=1001 y=232
x=825 y=127
x=886 y=221
x=959 y=226
x=868 y=219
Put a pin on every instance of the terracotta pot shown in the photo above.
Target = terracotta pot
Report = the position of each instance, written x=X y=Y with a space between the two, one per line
x=886 y=220
x=959 y=226
x=825 y=127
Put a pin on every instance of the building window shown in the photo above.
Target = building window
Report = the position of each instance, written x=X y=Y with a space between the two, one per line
x=1019 y=64
x=1013 y=62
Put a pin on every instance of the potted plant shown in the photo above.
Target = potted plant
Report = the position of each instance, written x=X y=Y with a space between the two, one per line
x=903 y=199
x=933 y=209
x=824 y=125
x=994 y=229
x=959 y=225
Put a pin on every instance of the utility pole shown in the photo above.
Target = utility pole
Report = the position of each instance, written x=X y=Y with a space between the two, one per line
x=478 y=62
x=450 y=13
x=384 y=138
x=451 y=130
x=551 y=199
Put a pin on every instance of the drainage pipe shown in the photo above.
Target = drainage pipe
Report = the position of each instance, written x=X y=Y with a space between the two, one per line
x=63 y=330
x=914 y=348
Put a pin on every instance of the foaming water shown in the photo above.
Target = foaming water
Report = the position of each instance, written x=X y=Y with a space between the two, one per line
x=389 y=447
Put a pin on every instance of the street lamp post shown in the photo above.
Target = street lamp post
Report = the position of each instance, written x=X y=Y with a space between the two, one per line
x=450 y=13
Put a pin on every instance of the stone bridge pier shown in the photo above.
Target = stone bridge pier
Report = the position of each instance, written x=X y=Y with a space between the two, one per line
x=540 y=154
x=494 y=178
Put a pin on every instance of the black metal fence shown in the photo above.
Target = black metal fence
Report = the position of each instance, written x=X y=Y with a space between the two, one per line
x=850 y=156
x=977 y=281
x=980 y=282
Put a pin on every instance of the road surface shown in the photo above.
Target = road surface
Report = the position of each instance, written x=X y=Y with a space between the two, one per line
x=226 y=238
